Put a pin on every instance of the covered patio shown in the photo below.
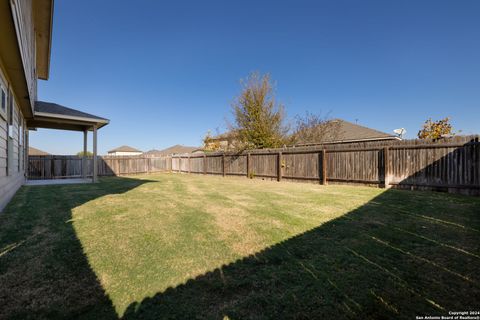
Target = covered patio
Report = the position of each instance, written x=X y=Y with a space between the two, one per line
x=50 y=115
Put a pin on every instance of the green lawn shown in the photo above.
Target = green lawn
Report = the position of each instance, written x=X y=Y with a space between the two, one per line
x=185 y=246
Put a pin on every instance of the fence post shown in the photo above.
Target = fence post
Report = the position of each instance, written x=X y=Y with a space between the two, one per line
x=324 y=166
x=204 y=163
x=188 y=162
x=386 y=167
x=223 y=164
x=279 y=166
x=248 y=165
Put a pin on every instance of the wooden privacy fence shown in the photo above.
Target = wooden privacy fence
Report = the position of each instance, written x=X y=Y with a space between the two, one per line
x=452 y=166
x=58 y=167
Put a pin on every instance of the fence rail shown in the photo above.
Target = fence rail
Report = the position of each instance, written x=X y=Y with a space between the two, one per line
x=453 y=167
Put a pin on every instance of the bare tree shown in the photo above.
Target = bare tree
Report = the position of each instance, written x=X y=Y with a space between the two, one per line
x=259 y=119
x=314 y=128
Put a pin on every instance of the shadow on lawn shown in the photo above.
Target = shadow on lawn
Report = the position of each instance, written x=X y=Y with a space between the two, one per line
x=44 y=272
x=400 y=255
x=391 y=258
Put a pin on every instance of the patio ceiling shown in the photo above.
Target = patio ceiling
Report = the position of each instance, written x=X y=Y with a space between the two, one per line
x=54 y=116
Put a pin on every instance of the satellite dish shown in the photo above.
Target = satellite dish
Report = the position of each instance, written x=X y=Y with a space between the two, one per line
x=400 y=132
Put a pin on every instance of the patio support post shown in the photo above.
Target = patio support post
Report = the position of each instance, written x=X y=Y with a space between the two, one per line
x=84 y=157
x=95 y=167
x=27 y=159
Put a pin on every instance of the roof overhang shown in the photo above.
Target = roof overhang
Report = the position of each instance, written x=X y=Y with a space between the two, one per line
x=11 y=59
x=53 y=116
x=43 y=22
x=54 y=121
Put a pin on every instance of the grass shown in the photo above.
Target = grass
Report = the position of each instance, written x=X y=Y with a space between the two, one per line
x=184 y=246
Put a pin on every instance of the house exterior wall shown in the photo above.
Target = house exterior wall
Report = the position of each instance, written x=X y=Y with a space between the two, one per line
x=13 y=131
x=12 y=143
x=221 y=144
x=124 y=153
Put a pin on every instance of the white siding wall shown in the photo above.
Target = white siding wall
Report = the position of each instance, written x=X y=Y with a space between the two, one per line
x=123 y=153
x=12 y=149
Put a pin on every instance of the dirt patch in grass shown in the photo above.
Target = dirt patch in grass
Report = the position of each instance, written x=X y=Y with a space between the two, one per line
x=232 y=227
x=193 y=189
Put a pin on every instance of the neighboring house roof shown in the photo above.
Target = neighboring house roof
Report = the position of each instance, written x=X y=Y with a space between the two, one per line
x=36 y=152
x=176 y=149
x=339 y=131
x=344 y=131
x=124 y=149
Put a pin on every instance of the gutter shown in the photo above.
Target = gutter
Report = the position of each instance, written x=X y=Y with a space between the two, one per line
x=66 y=117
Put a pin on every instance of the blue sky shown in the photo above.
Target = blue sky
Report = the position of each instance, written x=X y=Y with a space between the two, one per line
x=165 y=72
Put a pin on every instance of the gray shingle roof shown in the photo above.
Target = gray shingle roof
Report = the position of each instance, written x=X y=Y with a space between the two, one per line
x=56 y=109
x=36 y=152
x=338 y=131
x=176 y=149
x=347 y=131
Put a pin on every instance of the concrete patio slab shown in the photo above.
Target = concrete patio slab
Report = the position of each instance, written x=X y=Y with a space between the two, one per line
x=46 y=182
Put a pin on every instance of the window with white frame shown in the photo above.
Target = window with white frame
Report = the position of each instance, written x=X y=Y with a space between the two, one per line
x=10 y=128
x=11 y=114
x=3 y=99
x=20 y=140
